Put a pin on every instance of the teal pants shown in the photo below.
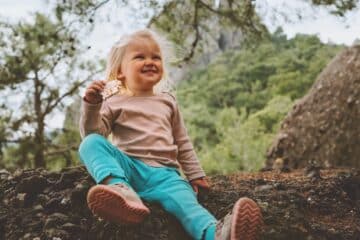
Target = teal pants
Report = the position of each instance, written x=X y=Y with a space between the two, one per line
x=163 y=185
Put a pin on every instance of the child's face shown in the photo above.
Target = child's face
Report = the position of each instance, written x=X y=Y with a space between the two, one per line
x=142 y=66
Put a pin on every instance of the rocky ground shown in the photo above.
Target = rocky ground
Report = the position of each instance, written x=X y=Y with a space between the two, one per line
x=302 y=204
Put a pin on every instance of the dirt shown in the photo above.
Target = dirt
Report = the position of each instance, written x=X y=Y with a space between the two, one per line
x=303 y=204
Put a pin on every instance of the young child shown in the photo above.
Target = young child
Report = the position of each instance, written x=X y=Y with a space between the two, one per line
x=149 y=146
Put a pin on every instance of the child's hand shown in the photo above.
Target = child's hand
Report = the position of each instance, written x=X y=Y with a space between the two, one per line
x=93 y=92
x=201 y=183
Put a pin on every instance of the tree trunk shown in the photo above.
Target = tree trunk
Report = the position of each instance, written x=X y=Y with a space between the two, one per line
x=39 y=160
x=324 y=126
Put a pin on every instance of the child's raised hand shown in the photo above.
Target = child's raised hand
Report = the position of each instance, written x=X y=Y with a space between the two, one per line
x=200 y=183
x=93 y=92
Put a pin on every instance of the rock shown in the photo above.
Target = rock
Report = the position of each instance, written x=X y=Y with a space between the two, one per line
x=4 y=174
x=55 y=220
x=20 y=199
x=312 y=171
x=71 y=228
x=18 y=172
x=32 y=185
x=79 y=193
x=263 y=188
x=38 y=208
x=57 y=234
x=324 y=124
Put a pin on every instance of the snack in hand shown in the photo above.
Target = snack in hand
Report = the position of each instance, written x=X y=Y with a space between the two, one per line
x=111 y=88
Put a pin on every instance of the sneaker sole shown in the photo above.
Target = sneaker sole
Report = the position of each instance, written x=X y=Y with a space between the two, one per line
x=110 y=205
x=246 y=221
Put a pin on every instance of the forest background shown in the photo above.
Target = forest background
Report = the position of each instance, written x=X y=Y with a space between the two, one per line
x=240 y=79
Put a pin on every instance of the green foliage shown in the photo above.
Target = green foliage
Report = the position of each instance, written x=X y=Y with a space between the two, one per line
x=243 y=141
x=233 y=108
x=338 y=7
x=37 y=73
x=33 y=46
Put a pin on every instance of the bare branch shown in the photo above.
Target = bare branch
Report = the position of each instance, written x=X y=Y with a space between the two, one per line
x=98 y=6
x=218 y=12
x=54 y=64
x=91 y=11
x=50 y=106
x=197 y=32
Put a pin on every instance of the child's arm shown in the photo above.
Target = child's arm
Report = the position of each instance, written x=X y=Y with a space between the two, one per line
x=96 y=116
x=186 y=154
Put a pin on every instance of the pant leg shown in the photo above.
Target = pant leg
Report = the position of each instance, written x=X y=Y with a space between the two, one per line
x=140 y=174
x=102 y=159
x=210 y=232
x=177 y=197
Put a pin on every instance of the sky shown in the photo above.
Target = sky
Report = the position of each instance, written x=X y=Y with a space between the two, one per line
x=317 y=21
x=328 y=28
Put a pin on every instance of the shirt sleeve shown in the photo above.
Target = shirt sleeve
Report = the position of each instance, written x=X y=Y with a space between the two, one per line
x=95 y=118
x=186 y=154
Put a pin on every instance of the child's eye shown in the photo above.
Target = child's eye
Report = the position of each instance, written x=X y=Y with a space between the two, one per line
x=139 y=57
x=157 y=57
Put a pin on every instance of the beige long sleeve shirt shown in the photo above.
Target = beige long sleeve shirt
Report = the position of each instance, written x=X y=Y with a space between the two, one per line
x=148 y=128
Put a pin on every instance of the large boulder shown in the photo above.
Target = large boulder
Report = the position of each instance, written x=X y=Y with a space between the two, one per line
x=324 y=126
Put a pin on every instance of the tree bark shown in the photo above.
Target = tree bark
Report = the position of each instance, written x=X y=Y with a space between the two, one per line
x=39 y=159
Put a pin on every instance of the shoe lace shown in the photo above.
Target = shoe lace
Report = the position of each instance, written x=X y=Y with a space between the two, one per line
x=130 y=193
x=120 y=185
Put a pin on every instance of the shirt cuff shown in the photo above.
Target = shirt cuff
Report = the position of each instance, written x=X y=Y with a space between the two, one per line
x=196 y=175
x=90 y=107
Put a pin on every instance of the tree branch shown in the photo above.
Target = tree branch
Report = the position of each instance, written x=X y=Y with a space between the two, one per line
x=91 y=11
x=54 y=64
x=71 y=91
x=197 y=32
x=98 y=6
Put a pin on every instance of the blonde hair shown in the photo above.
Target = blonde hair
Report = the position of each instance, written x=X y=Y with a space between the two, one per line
x=117 y=53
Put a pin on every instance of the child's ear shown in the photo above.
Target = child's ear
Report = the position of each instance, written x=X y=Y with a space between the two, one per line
x=120 y=76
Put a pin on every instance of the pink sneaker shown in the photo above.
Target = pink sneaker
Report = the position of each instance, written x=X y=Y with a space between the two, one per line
x=243 y=224
x=116 y=203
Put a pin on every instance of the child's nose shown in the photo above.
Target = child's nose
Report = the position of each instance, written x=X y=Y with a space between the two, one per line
x=149 y=61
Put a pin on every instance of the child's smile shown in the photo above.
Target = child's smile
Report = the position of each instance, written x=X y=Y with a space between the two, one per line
x=150 y=70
